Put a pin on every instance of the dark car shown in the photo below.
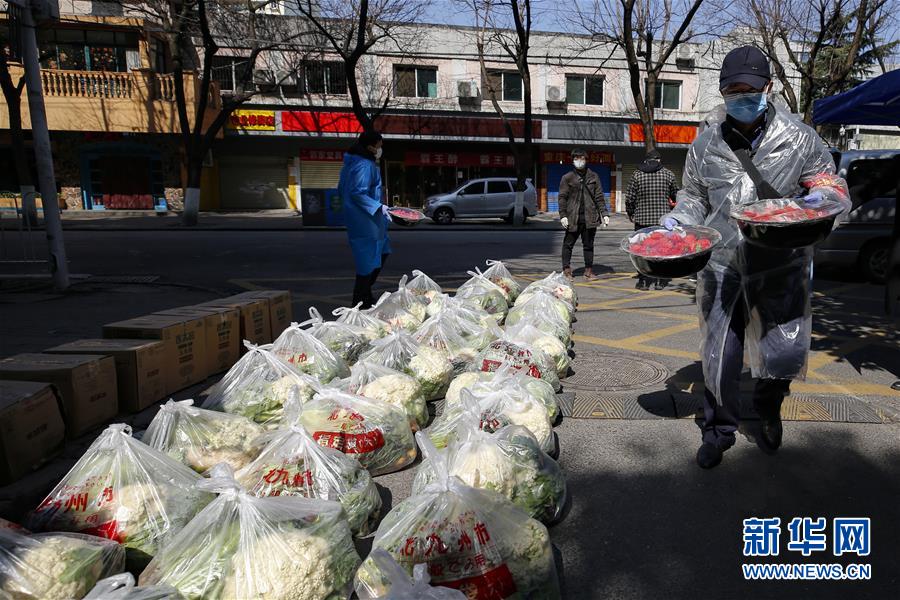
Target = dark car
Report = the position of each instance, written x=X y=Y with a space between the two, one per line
x=863 y=240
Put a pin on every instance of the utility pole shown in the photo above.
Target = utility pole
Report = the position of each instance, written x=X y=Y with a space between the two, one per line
x=43 y=9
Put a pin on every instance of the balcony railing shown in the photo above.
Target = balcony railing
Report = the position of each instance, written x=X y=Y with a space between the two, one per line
x=164 y=87
x=87 y=84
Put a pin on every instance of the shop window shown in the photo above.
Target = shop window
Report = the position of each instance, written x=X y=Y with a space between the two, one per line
x=323 y=77
x=668 y=95
x=584 y=90
x=415 y=82
x=498 y=187
x=505 y=85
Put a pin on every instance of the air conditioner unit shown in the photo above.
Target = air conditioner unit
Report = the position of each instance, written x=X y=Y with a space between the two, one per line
x=555 y=95
x=467 y=89
x=686 y=57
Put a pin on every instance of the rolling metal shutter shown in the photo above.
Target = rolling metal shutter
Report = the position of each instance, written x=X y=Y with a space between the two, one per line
x=318 y=175
x=254 y=182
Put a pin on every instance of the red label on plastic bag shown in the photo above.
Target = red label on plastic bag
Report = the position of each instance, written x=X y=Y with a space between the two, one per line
x=109 y=530
x=350 y=443
x=496 y=584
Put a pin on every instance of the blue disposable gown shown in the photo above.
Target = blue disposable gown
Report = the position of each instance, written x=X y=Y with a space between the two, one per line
x=360 y=191
x=774 y=286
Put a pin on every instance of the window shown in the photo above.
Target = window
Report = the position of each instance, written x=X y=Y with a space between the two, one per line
x=415 y=82
x=668 y=95
x=231 y=73
x=474 y=189
x=80 y=50
x=505 y=85
x=871 y=178
x=498 y=187
x=584 y=90
x=323 y=77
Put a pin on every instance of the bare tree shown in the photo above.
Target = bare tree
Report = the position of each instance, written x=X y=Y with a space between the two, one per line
x=12 y=93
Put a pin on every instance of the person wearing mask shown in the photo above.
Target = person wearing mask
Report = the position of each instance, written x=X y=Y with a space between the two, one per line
x=749 y=295
x=366 y=217
x=582 y=208
x=650 y=191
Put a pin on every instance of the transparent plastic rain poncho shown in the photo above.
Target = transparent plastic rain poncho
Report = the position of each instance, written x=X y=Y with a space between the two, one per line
x=241 y=546
x=259 y=385
x=423 y=287
x=124 y=587
x=471 y=539
x=123 y=490
x=772 y=285
x=508 y=461
x=292 y=463
x=371 y=327
x=517 y=383
x=442 y=332
x=525 y=334
x=431 y=368
x=202 y=438
x=308 y=355
x=482 y=292
x=345 y=340
x=531 y=360
x=546 y=313
x=388 y=385
x=498 y=409
x=374 y=432
x=556 y=284
x=396 y=583
x=500 y=275
x=55 y=566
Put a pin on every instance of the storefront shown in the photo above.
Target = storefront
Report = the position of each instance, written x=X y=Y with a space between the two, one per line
x=556 y=163
x=122 y=175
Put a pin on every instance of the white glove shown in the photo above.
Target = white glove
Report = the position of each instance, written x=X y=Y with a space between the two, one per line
x=606 y=221
x=564 y=222
x=385 y=210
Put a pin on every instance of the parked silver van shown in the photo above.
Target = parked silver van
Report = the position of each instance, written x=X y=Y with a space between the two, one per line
x=481 y=199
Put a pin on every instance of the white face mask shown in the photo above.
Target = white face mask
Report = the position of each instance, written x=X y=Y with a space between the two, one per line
x=579 y=163
x=378 y=152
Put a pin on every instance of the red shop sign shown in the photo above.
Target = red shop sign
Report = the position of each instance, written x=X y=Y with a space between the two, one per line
x=458 y=159
x=322 y=155
x=593 y=157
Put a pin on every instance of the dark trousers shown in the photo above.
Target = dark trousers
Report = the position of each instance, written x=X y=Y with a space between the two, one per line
x=587 y=244
x=643 y=278
x=720 y=422
x=362 y=289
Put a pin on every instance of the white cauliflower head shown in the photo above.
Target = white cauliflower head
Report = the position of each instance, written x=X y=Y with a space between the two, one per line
x=402 y=391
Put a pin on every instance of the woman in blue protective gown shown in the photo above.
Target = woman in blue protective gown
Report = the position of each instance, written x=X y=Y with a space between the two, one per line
x=366 y=217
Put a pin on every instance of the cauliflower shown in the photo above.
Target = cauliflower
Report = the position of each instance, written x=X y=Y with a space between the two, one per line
x=369 y=327
x=479 y=465
x=556 y=351
x=461 y=382
x=402 y=391
x=432 y=370
x=529 y=557
x=307 y=354
x=533 y=417
x=532 y=361
x=56 y=566
x=403 y=321
x=264 y=403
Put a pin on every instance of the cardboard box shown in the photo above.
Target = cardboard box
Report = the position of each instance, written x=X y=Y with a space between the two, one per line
x=255 y=323
x=184 y=345
x=280 y=309
x=222 y=326
x=31 y=427
x=86 y=384
x=140 y=368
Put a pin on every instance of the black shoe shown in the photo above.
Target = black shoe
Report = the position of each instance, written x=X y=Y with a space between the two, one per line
x=770 y=434
x=709 y=455
x=659 y=285
x=642 y=285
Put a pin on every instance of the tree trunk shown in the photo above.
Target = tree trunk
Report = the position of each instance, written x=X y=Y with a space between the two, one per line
x=190 y=215
x=12 y=93
x=356 y=100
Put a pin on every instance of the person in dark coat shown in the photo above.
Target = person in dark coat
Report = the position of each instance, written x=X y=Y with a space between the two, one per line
x=582 y=208
x=366 y=217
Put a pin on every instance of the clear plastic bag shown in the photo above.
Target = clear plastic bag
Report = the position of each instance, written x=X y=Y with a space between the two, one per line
x=423 y=287
x=55 y=566
x=400 y=586
x=400 y=351
x=541 y=300
x=371 y=327
x=509 y=461
x=556 y=284
x=123 y=490
x=294 y=464
x=308 y=355
x=258 y=386
x=344 y=339
x=473 y=540
x=525 y=334
x=500 y=275
x=530 y=360
x=388 y=385
x=202 y=438
x=273 y=548
x=482 y=292
x=481 y=384
x=473 y=323
x=442 y=333
x=401 y=309
x=374 y=432
x=124 y=587
x=543 y=312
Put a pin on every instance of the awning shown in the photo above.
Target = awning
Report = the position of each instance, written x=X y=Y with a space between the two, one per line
x=874 y=102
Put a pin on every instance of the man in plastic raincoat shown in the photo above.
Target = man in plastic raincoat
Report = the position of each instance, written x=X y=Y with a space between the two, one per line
x=366 y=217
x=748 y=294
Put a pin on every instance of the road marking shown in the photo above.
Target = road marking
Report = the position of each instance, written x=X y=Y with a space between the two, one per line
x=660 y=333
x=622 y=345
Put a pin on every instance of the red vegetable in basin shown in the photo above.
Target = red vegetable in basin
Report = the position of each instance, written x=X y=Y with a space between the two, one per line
x=784 y=214
x=670 y=244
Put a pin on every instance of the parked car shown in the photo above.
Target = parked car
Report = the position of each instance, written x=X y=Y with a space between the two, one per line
x=863 y=240
x=481 y=199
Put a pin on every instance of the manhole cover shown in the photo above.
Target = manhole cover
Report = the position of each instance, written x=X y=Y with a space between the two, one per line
x=604 y=372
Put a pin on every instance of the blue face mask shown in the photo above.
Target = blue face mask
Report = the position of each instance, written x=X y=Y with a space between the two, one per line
x=745 y=108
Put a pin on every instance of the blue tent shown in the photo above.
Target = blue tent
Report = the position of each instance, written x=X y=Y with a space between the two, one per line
x=874 y=102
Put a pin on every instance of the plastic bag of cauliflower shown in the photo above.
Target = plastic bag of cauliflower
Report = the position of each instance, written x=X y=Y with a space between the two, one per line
x=500 y=275
x=541 y=302
x=293 y=464
x=423 y=287
x=400 y=586
x=272 y=548
x=525 y=334
x=508 y=461
x=124 y=587
x=471 y=539
x=55 y=566
x=529 y=359
x=390 y=310
x=371 y=327
x=308 y=355
x=388 y=385
x=258 y=386
x=374 y=432
x=555 y=284
x=541 y=312
x=400 y=351
x=517 y=383
x=442 y=332
x=123 y=490
x=202 y=438
x=344 y=339
x=485 y=294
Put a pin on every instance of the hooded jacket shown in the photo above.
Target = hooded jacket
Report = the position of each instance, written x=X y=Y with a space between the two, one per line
x=359 y=188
